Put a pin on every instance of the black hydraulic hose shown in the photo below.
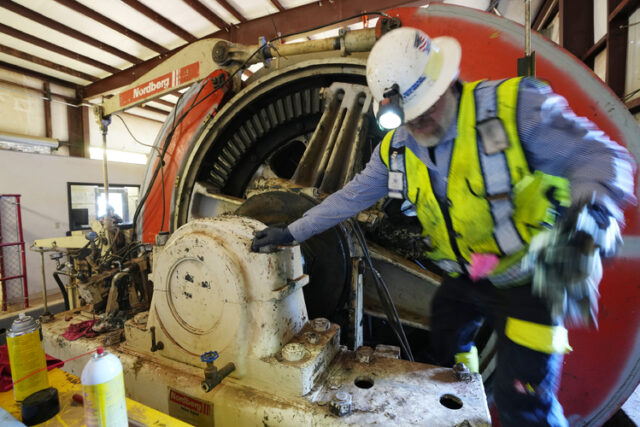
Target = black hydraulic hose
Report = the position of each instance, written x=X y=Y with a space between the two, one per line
x=385 y=297
x=65 y=296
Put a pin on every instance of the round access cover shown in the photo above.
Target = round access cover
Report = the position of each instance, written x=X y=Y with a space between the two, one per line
x=201 y=273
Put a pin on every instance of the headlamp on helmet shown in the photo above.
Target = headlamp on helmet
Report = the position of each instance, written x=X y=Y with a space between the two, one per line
x=390 y=113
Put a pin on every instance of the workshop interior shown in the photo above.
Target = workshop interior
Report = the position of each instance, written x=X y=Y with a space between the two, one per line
x=144 y=144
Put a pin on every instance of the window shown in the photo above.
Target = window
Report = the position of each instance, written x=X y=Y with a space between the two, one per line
x=87 y=202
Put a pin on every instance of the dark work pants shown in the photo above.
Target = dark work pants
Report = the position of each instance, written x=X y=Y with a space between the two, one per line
x=526 y=380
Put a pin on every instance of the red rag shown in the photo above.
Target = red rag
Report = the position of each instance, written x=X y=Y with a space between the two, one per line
x=82 y=329
x=6 y=382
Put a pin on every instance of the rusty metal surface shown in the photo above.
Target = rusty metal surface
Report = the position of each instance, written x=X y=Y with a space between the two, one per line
x=335 y=149
x=399 y=392
x=403 y=393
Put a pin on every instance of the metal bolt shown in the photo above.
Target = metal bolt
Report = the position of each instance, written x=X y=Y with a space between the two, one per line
x=364 y=354
x=341 y=404
x=312 y=337
x=293 y=352
x=320 y=324
x=461 y=372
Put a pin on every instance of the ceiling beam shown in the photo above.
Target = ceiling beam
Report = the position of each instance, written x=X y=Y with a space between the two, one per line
x=25 y=71
x=55 y=48
x=40 y=92
x=232 y=10
x=90 y=13
x=54 y=25
x=576 y=26
x=207 y=13
x=290 y=21
x=140 y=116
x=46 y=63
x=277 y=4
x=160 y=20
x=546 y=12
x=163 y=102
x=154 y=109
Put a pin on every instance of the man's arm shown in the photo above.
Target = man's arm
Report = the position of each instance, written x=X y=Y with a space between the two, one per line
x=362 y=191
x=559 y=143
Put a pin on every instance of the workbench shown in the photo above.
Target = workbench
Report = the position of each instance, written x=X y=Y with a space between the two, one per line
x=72 y=413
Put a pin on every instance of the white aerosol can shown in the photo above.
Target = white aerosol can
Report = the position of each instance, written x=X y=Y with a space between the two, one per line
x=103 y=391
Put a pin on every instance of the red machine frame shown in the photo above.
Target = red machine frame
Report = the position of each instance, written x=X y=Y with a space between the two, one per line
x=20 y=244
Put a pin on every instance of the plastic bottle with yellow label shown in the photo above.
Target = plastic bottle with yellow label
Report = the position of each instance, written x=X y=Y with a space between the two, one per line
x=103 y=391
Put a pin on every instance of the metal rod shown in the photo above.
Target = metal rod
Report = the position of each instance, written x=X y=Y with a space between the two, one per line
x=107 y=216
x=44 y=282
x=3 y=281
x=527 y=31
x=25 y=286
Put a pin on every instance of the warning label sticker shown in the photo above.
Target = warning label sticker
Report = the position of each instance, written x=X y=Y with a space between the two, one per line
x=190 y=409
x=159 y=84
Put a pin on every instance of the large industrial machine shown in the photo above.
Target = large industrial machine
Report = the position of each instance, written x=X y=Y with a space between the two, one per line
x=269 y=147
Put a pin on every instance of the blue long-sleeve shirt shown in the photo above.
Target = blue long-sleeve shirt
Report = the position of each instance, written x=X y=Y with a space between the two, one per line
x=555 y=141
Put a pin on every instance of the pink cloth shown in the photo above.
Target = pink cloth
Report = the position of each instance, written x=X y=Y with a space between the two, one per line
x=482 y=265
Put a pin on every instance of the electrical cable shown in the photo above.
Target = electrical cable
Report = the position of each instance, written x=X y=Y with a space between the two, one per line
x=194 y=104
x=383 y=292
x=161 y=168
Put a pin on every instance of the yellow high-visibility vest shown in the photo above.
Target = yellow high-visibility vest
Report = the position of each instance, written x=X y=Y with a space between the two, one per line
x=494 y=204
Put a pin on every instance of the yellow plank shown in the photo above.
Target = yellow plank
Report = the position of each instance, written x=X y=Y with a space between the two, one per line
x=71 y=413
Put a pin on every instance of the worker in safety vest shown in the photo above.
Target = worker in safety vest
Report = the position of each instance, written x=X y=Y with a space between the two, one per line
x=518 y=199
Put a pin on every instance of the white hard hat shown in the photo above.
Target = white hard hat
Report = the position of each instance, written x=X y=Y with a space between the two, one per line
x=422 y=68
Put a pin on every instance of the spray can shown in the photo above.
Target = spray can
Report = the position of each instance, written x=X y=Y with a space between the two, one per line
x=26 y=355
x=103 y=391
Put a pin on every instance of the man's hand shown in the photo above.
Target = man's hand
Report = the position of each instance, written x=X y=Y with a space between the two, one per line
x=566 y=262
x=270 y=238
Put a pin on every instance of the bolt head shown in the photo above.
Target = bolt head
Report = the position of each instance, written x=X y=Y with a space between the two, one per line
x=293 y=352
x=461 y=372
x=340 y=405
x=320 y=324
x=312 y=337
x=364 y=354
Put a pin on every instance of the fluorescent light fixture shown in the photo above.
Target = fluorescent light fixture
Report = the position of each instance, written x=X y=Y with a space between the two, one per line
x=118 y=156
x=28 y=142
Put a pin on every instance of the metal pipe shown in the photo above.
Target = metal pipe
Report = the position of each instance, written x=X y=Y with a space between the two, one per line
x=25 y=287
x=44 y=282
x=107 y=216
x=527 y=31
x=350 y=41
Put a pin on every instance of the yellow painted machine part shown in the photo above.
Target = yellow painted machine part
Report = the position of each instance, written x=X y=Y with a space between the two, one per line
x=72 y=413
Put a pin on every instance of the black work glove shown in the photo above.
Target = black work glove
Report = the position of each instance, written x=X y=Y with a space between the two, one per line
x=270 y=238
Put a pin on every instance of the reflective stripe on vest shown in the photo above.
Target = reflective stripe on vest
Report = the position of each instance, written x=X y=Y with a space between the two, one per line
x=494 y=203
x=538 y=337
